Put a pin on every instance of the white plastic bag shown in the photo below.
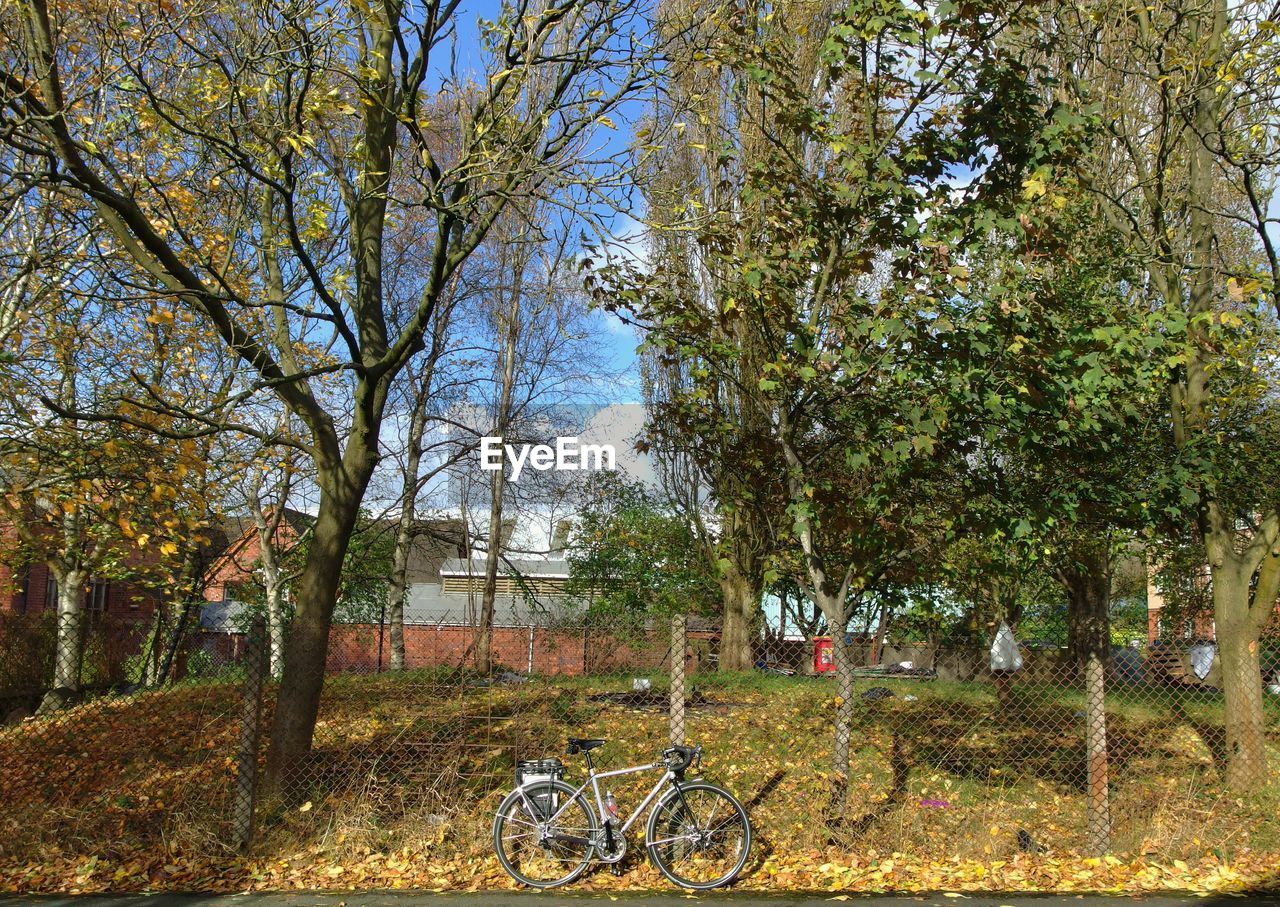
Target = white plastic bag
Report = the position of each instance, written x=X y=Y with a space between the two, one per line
x=1202 y=659
x=1005 y=655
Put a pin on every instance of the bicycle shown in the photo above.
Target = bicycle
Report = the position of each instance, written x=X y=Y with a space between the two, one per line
x=546 y=833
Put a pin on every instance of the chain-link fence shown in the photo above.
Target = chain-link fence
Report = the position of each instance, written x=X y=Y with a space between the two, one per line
x=877 y=742
x=988 y=746
x=137 y=750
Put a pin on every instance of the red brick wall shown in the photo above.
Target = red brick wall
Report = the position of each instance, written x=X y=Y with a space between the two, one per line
x=354 y=647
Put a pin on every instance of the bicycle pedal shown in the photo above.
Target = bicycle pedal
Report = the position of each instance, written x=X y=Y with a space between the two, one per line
x=616 y=869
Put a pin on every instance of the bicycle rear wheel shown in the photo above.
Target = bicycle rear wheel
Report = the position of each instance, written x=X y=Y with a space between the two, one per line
x=543 y=837
x=699 y=836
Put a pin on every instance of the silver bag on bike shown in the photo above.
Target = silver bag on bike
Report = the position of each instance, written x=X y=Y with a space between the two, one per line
x=537 y=775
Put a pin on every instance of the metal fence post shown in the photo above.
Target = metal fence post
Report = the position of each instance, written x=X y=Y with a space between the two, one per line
x=679 y=646
x=245 y=793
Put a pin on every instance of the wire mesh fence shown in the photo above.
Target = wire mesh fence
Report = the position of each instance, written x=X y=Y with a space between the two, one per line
x=885 y=741
x=139 y=751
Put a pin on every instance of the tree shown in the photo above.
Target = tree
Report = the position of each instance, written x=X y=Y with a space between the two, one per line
x=707 y=479
x=635 y=559
x=698 y=147
x=426 y=391
x=270 y=482
x=508 y=312
x=233 y=153
x=1073 y=375
x=534 y=368
x=1189 y=94
x=90 y=499
x=847 y=283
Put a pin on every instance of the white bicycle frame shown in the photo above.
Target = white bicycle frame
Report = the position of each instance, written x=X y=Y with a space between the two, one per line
x=593 y=781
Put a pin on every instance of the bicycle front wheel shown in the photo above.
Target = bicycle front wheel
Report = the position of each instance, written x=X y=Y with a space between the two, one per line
x=543 y=836
x=699 y=836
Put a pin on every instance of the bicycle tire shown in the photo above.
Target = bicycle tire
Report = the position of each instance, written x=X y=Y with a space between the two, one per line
x=663 y=842
x=508 y=816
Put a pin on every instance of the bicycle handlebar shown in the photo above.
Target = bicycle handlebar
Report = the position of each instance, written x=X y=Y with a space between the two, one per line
x=680 y=758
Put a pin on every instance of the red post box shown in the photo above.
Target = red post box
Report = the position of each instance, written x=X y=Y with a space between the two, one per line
x=824 y=655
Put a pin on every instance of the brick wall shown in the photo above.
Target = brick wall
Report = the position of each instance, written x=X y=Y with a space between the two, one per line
x=26 y=591
x=537 y=650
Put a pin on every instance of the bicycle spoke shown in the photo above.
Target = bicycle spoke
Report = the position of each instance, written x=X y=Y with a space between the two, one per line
x=670 y=840
x=540 y=852
x=699 y=845
x=715 y=805
x=519 y=821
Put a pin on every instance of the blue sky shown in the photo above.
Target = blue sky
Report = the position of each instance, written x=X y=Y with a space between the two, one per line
x=617 y=340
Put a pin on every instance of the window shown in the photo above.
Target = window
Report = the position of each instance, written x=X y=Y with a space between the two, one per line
x=95 y=602
x=22 y=600
x=51 y=592
x=505 y=585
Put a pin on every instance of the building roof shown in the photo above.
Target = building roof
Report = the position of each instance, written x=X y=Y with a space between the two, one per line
x=507 y=566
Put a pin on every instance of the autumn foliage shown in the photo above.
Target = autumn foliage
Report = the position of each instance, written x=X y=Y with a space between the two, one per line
x=134 y=794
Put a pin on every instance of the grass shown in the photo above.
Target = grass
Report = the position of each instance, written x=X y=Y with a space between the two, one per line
x=414 y=763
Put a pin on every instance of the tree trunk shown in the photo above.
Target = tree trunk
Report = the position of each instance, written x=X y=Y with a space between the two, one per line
x=399 y=587
x=174 y=643
x=1097 y=772
x=306 y=650
x=741 y=602
x=272 y=584
x=844 y=722
x=275 y=628
x=877 y=643
x=833 y=599
x=173 y=627
x=398 y=591
x=266 y=524
x=1239 y=611
x=488 y=598
x=1087 y=581
x=69 y=652
x=151 y=649
x=1241 y=681
x=511 y=326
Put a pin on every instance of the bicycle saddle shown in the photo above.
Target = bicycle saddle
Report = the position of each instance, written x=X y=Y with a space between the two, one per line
x=584 y=744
